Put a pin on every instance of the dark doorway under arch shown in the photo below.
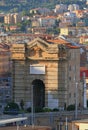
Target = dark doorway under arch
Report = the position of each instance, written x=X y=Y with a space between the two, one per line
x=38 y=93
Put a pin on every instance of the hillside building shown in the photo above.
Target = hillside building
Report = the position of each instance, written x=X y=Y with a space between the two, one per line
x=12 y=18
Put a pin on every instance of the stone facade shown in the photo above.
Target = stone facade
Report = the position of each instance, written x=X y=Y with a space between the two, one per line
x=48 y=69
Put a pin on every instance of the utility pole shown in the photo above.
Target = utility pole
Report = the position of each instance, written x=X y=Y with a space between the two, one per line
x=32 y=105
x=66 y=127
x=84 y=92
x=76 y=101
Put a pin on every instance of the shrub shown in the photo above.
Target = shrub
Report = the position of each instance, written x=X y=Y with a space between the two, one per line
x=11 y=108
x=47 y=109
x=71 y=107
x=87 y=103
x=38 y=109
x=55 y=109
x=28 y=109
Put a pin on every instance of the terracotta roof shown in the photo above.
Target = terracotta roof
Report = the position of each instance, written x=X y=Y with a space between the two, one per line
x=86 y=36
x=80 y=11
x=82 y=70
x=48 y=17
x=62 y=41
x=73 y=47
x=59 y=41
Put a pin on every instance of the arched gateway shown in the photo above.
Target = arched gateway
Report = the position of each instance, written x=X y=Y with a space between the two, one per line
x=38 y=93
x=44 y=65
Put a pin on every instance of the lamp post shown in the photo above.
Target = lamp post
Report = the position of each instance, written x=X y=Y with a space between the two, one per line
x=66 y=127
x=76 y=101
x=32 y=105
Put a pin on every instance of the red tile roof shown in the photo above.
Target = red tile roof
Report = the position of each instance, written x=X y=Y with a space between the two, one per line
x=82 y=70
x=62 y=41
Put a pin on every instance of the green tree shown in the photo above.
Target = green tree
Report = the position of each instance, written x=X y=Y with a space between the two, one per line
x=15 y=10
x=11 y=108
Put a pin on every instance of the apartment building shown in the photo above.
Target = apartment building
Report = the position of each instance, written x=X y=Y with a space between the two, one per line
x=84 y=39
x=48 y=21
x=39 y=30
x=12 y=18
x=41 y=11
x=5 y=75
x=48 y=69
x=60 y=8
x=79 y=13
x=74 y=31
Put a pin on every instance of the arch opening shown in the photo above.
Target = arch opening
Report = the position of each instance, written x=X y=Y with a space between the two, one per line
x=38 y=93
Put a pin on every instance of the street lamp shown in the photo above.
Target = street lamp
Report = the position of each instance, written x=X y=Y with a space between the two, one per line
x=66 y=127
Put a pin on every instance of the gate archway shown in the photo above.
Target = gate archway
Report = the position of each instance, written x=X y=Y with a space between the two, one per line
x=38 y=93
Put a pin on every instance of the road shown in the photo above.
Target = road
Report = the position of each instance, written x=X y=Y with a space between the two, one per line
x=49 y=118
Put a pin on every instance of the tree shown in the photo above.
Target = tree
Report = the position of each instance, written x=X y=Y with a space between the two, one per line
x=11 y=108
x=71 y=107
x=15 y=10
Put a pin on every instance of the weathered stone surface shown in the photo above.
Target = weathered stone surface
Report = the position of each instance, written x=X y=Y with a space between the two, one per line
x=57 y=72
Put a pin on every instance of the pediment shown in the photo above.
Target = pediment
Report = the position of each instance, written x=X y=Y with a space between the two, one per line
x=40 y=49
x=38 y=43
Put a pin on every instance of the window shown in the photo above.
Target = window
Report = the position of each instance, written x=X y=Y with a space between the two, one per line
x=70 y=67
x=69 y=95
x=74 y=94
x=69 y=78
x=87 y=56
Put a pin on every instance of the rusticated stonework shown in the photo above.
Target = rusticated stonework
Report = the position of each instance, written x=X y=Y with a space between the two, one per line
x=40 y=66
